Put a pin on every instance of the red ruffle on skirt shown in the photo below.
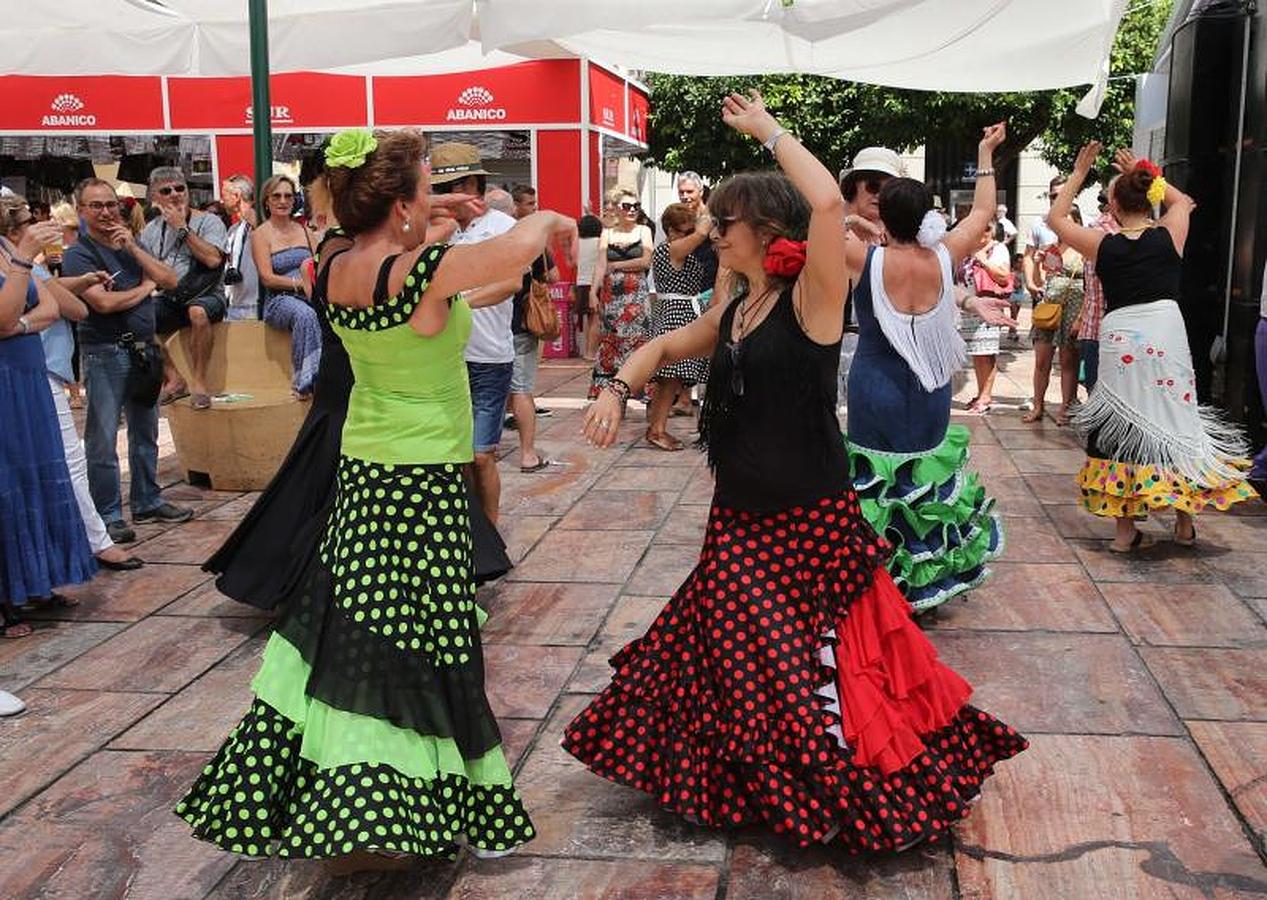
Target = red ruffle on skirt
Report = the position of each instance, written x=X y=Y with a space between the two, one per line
x=717 y=711
x=892 y=686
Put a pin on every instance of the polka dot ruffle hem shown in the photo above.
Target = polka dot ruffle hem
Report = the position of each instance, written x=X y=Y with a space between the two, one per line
x=721 y=711
x=259 y=798
x=1123 y=489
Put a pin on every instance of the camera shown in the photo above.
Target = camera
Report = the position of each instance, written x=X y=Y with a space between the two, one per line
x=232 y=275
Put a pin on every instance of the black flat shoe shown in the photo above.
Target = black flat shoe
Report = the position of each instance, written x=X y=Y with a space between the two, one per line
x=127 y=565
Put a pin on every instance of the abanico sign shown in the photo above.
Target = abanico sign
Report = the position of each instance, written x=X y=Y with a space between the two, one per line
x=530 y=93
x=77 y=104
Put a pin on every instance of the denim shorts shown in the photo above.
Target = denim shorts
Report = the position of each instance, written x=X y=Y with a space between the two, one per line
x=527 y=351
x=490 y=389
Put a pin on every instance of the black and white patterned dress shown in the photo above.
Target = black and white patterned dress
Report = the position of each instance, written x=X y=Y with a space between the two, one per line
x=676 y=293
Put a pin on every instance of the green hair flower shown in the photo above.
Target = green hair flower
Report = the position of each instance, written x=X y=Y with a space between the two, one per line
x=349 y=148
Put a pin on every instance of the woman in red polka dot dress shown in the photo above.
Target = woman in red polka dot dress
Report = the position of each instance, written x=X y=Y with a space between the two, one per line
x=785 y=684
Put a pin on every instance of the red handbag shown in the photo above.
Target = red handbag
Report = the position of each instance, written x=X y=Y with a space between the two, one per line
x=984 y=285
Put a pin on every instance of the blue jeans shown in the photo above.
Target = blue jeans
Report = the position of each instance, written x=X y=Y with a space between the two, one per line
x=1089 y=352
x=105 y=368
x=490 y=389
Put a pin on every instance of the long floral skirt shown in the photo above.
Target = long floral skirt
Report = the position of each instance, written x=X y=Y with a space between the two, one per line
x=625 y=319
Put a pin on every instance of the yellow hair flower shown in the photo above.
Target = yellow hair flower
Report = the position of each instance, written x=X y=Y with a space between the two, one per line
x=1157 y=191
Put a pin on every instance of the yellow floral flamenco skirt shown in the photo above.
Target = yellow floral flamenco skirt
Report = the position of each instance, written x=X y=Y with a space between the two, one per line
x=1118 y=489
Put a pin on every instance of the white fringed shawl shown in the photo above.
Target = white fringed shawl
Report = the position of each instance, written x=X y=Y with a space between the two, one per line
x=1145 y=401
x=929 y=342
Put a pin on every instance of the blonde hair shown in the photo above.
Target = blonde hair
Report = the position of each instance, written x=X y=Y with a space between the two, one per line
x=11 y=209
x=64 y=215
x=271 y=185
x=320 y=203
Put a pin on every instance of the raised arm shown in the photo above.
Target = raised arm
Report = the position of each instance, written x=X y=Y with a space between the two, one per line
x=157 y=271
x=16 y=266
x=822 y=279
x=1085 y=240
x=683 y=247
x=962 y=241
x=1177 y=205
x=504 y=258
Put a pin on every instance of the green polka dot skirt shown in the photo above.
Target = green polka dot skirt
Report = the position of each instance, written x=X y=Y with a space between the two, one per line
x=370 y=729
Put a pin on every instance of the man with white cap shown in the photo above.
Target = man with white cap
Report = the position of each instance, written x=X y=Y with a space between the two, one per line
x=860 y=186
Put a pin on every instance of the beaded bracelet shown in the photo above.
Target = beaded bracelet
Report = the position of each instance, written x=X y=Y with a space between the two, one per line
x=620 y=388
x=21 y=263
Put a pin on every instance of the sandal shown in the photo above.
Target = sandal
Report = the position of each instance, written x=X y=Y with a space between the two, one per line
x=664 y=441
x=169 y=397
x=201 y=401
x=1034 y=415
x=1187 y=542
x=541 y=463
x=13 y=625
x=57 y=601
x=979 y=409
x=1141 y=541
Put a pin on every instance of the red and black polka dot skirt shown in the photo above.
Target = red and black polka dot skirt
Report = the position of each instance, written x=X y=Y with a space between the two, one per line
x=785 y=684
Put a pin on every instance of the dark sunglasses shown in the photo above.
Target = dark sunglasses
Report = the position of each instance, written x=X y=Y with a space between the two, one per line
x=168 y=189
x=722 y=225
x=630 y=207
x=874 y=183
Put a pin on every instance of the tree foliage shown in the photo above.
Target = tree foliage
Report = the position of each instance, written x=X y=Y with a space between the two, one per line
x=835 y=118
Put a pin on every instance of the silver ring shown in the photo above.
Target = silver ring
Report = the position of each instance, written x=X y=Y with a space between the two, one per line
x=604 y=425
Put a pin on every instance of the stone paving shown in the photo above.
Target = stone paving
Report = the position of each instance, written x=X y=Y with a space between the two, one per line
x=1142 y=685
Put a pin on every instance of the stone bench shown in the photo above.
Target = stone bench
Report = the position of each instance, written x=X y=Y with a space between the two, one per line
x=239 y=443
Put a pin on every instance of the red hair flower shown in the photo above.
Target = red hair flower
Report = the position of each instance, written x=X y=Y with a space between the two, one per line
x=784 y=258
x=1148 y=166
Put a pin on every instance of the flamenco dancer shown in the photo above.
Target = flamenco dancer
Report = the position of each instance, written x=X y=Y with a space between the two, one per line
x=370 y=732
x=785 y=683
x=907 y=461
x=1149 y=445
x=261 y=561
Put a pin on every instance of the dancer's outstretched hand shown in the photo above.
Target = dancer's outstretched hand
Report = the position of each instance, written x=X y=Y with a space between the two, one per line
x=1086 y=158
x=602 y=419
x=993 y=135
x=991 y=310
x=748 y=115
x=1124 y=160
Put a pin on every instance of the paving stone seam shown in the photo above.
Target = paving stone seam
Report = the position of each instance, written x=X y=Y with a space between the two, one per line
x=1232 y=807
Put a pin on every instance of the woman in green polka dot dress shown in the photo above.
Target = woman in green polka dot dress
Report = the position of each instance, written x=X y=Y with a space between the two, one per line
x=370 y=732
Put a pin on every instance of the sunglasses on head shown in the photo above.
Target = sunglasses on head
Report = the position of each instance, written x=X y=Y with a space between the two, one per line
x=629 y=207
x=169 y=189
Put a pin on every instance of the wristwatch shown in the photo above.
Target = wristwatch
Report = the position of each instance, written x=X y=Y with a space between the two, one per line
x=182 y=233
x=773 y=140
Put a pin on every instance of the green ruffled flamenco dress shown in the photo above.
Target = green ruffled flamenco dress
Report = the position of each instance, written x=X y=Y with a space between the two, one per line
x=370 y=730
x=934 y=512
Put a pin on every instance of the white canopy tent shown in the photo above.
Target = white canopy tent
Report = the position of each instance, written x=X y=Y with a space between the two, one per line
x=964 y=45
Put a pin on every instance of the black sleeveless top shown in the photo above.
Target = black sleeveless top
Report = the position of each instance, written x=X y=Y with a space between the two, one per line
x=1137 y=271
x=769 y=415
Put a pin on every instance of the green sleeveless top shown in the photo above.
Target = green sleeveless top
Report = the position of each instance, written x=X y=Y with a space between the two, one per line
x=411 y=401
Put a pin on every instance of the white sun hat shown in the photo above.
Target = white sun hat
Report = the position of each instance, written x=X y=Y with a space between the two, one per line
x=878 y=159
